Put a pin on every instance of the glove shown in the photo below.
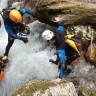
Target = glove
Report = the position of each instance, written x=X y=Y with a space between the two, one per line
x=54 y=62
x=25 y=40
x=27 y=30
x=55 y=53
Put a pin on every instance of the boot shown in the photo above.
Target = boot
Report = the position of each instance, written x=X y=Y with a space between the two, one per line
x=54 y=62
x=4 y=58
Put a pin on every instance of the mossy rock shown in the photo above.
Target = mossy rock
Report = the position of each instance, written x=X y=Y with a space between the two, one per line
x=33 y=86
x=83 y=92
x=93 y=94
x=46 y=88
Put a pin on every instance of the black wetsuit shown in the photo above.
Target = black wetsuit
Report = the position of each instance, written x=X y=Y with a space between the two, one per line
x=70 y=53
x=13 y=28
x=64 y=51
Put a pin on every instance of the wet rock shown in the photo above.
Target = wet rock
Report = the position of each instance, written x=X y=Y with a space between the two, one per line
x=90 y=55
x=75 y=81
x=93 y=94
x=46 y=88
x=89 y=85
x=84 y=92
x=71 y=12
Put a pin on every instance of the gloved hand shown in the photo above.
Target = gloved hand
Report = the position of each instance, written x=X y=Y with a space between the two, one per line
x=25 y=40
x=55 y=53
x=53 y=61
x=27 y=30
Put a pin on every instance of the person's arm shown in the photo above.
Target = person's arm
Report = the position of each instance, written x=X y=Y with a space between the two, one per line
x=27 y=11
x=9 y=31
x=60 y=27
x=62 y=57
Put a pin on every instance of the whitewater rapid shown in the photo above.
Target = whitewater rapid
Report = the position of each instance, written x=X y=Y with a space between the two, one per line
x=26 y=61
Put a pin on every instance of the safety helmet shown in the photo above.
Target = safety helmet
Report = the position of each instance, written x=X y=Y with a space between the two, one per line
x=15 y=16
x=47 y=35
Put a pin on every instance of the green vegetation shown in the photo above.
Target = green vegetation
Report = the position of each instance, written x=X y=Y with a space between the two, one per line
x=84 y=92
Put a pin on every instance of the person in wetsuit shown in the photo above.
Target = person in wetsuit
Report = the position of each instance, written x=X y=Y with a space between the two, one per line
x=64 y=50
x=13 y=25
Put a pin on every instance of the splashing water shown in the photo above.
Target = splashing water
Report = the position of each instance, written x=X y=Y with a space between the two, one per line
x=26 y=62
x=85 y=72
x=3 y=3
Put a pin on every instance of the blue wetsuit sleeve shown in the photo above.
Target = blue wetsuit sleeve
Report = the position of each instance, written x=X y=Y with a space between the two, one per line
x=60 y=27
x=62 y=57
x=9 y=31
x=26 y=11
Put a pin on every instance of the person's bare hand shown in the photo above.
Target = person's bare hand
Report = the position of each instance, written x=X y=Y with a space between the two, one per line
x=56 y=19
x=57 y=80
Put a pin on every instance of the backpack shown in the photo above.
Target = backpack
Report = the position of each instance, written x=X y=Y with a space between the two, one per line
x=74 y=42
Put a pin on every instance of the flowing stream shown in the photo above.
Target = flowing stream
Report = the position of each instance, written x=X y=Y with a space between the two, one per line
x=26 y=61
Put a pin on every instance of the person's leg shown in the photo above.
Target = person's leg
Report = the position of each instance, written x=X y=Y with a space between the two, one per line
x=70 y=59
x=9 y=45
x=64 y=67
x=56 y=61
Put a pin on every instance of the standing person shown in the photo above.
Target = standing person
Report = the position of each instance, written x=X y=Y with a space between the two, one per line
x=63 y=49
x=13 y=25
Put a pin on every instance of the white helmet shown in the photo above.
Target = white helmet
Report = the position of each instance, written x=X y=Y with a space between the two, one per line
x=47 y=35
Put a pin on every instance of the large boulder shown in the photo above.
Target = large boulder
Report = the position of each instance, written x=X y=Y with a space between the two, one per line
x=46 y=88
x=71 y=12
